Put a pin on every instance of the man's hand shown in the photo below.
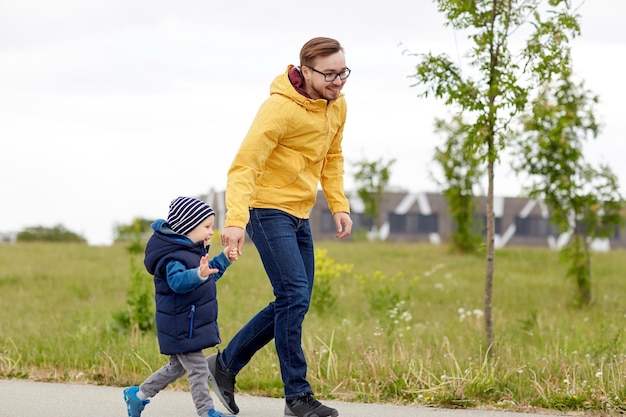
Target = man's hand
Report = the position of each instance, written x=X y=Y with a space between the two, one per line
x=233 y=236
x=232 y=253
x=343 y=224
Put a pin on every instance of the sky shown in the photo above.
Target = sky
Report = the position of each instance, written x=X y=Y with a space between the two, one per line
x=111 y=109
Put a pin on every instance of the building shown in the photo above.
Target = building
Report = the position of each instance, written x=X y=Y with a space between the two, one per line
x=424 y=217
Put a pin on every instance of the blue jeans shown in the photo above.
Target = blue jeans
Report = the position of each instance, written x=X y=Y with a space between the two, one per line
x=285 y=245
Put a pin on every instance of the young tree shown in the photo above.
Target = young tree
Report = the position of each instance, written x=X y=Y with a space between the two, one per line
x=127 y=232
x=372 y=177
x=139 y=312
x=461 y=172
x=585 y=201
x=498 y=92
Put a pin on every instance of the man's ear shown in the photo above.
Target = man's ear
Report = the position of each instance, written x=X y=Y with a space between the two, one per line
x=306 y=73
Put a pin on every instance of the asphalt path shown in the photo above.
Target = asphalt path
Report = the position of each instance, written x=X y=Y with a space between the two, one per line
x=22 y=398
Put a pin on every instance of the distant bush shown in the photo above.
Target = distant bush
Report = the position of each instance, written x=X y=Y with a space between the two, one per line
x=57 y=233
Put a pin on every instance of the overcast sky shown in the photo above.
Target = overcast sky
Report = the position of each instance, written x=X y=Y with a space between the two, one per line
x=110 y=109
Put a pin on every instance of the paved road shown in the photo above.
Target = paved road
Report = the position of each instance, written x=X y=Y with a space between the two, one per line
x=20 y=398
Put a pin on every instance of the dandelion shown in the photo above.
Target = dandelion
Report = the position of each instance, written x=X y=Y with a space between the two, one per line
x=406 y=317
x=433 y=270
x=599 y=374
x=462 y=315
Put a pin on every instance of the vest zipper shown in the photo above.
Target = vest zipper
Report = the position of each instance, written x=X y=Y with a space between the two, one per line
x=191 y=314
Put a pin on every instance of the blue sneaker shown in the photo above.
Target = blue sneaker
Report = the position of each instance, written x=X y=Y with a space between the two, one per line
x=214 y=413
x=133 y=404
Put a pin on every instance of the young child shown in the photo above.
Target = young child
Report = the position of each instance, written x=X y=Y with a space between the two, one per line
x=186 y=304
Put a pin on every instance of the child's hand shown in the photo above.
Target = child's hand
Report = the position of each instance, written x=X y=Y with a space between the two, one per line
x=232 y=252
x=205 y=269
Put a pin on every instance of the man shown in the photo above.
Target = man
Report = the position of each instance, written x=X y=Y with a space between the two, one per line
x=293 y=145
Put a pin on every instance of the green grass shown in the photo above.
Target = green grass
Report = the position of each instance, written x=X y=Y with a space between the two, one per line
x=399 y=323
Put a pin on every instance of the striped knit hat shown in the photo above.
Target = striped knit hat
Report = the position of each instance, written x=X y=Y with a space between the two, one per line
x=186 y=213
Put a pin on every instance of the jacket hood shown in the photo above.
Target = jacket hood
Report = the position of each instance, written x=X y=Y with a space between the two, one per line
x=291 y=85
x=165 y=242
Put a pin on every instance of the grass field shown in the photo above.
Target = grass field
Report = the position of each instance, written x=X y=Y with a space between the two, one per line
x=399 y=323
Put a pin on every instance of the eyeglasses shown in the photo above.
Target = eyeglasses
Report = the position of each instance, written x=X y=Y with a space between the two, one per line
x=329 y=77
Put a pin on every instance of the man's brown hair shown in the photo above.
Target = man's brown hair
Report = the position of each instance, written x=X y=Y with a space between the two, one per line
x=317 y=47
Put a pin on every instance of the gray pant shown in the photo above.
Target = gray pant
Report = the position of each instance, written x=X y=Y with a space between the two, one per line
x=197 y=369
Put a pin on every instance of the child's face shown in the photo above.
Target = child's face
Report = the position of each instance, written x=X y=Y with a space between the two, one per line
x=203 y=232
